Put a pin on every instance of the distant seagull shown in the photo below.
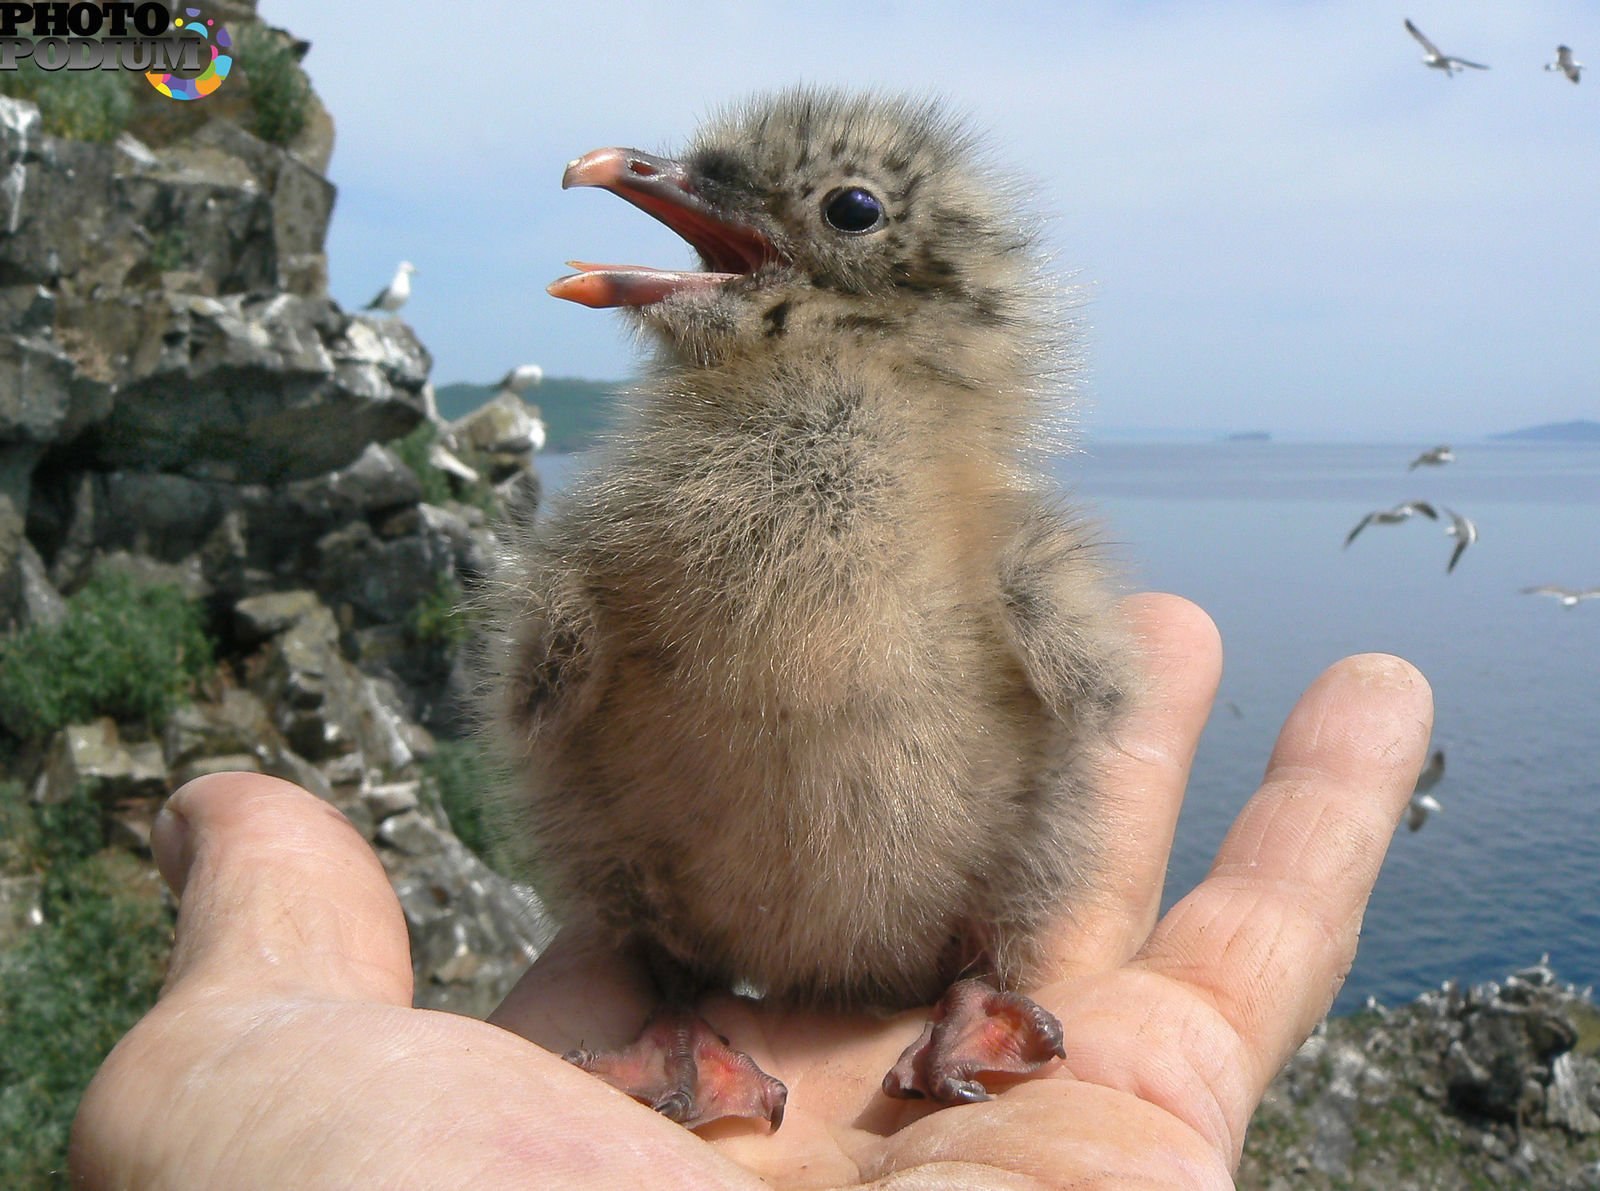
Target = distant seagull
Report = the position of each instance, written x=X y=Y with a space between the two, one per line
x=516 y=382
x=1437 y=59
x=520 y=379
x=1393 y=517
x=1565 y=64
x=1422 y=803
x=1464 y=532
x=1568 y=596
x=1437 y=457
x=393 y=296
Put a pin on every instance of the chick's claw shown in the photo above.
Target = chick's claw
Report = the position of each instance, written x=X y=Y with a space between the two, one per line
x=685 y=1070
x=975 y=1028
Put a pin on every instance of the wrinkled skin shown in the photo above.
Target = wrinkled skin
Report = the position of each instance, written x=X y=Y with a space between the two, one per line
x=284 y=1051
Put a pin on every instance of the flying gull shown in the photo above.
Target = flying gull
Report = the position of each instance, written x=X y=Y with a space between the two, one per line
x=1464 y=532
x=1393 y=517
x=1565 y=64
x=1422 y=803
x=1569 y=597
x=393 y=296
x=1436 y=58
x=1437 y=457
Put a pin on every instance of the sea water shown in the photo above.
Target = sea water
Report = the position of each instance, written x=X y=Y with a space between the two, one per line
x=1254 y=532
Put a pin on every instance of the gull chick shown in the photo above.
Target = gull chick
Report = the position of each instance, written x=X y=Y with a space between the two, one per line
x=1565 y=64
x=1437 y=457
x=802 y=684
x=394 y=295
x=1438 y=60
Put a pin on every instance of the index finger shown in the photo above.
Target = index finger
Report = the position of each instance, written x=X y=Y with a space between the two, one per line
x=1269 y=935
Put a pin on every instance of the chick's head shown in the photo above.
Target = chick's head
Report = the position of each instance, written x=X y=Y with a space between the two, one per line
x=827 y=221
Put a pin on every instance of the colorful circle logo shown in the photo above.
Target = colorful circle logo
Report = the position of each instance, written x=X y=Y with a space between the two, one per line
x=175 y=86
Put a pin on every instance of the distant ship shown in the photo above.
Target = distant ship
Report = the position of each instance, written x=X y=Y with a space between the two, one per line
x=1249 y=436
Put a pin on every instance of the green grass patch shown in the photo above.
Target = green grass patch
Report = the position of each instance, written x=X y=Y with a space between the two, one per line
x=1587 y=1020
x=462 y=775
x=71 y=987
x=280 y=95
x=170 y=250
x=437 y=487
x=439 y=617
x=413 y=451
x=83 y=105
x=124 y=649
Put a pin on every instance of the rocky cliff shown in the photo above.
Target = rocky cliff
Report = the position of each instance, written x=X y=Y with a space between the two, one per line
x=182 y=402
x=1496 y=1085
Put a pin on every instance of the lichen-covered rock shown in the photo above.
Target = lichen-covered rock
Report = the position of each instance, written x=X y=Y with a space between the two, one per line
x=255 y=388
x=1464 y=1087
x=375 y=482
x=34 y=601
x=94 y=759
x=257 y=618
x=327 y=709
x=472 y=931
x=504 y=431
x=382 y=578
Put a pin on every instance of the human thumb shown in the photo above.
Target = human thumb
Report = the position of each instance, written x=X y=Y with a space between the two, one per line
x=277 y=893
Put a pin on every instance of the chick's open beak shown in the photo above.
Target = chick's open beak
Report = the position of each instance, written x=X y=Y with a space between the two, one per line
x=665 y=189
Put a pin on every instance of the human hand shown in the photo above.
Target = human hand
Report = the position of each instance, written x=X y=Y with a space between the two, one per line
x=284 y=1051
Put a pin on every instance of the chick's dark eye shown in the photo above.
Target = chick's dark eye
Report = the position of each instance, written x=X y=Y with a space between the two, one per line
x=851 y=209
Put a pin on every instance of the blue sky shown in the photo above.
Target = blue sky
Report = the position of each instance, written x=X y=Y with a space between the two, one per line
x=1276 y=218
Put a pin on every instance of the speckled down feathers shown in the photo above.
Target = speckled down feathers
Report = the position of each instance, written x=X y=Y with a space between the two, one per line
x=800 y=683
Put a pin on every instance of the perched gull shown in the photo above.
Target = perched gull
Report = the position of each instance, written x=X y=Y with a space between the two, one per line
x=1422 y=803
x=1569 y=597
x=520 y=379
x=513 y=384
x=1565 y=64
x=393 y=296
x=1437 y=457
x=1437 y=59
x=1393 y=516
x=1464 y=532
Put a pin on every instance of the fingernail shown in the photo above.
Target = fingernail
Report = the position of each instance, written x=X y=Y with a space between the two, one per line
x=171 y=840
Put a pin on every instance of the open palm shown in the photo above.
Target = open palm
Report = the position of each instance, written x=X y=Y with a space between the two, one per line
x=284 y=1051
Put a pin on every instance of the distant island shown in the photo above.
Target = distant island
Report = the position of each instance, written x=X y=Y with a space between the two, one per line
x=1579 y=431
x=574 y=410
x=1249 y=436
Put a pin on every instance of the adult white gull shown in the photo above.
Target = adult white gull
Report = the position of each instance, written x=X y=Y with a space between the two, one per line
x=1393 y=517
x=520 y=379
x=1437 y=457
x=1570 y=597
x=393 y=296
x=1464 y=532
x=1438 y=59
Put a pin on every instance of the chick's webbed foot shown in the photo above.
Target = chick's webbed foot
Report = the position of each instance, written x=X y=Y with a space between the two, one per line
x=687 y=1072
x=974 y=1028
